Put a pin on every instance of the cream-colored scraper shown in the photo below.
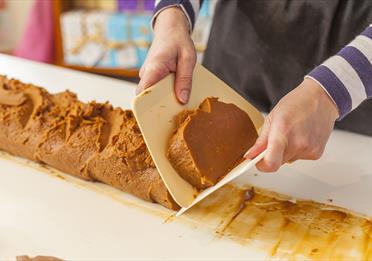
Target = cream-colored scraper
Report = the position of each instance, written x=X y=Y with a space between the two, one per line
x=155 y=109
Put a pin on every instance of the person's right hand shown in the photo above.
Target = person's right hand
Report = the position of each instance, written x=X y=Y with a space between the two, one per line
x=172 y=50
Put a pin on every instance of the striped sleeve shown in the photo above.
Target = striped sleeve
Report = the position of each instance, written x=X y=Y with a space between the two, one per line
x=347 y=76
x=189 y=7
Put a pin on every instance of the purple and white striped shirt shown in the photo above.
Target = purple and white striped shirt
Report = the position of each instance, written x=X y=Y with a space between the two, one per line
x=189 y=7
x=346 y=77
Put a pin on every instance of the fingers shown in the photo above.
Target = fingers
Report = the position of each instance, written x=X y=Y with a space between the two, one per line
x=151 y=73
x=277 y=144
x=185 y=67
x=301 y=123
x=261 y=142
x=140 y=73
x=290 y=161
x=295 y=149
x=283 y=149
x=289 y=157
x=291 y=154
x=302 y=148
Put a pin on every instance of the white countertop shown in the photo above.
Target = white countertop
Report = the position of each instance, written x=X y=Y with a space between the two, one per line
x=42 y=214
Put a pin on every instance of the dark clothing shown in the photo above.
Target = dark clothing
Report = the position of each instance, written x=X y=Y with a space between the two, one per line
x=264 y=48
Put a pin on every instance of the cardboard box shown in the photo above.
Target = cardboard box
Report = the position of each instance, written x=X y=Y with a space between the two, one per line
x=105 y=39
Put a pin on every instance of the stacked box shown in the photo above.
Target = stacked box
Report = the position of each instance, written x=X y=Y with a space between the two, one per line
x=108 y=5
x=141 y=33
x=72 y=34
x=116 y=5
x=104 y=39
x=119 y=31
x=136 y=5
x=95 y=26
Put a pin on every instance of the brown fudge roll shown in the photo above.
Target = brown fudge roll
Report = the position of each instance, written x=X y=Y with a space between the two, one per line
x=38 y=258
x=92 y=141
x=20 y=119
x=210 y=141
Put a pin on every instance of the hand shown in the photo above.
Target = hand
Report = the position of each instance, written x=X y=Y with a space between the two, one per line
x=172 y=50
x=297 y=128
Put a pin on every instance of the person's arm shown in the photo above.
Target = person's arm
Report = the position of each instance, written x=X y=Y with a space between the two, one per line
x=172 y=49
x=300 y=124
x=189 y=7
x=347 y=76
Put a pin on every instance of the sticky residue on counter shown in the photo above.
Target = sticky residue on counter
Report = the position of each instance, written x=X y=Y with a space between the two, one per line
x=285 y=229
x=253 y=217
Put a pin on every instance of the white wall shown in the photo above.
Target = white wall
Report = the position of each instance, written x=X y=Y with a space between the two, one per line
x=12 y=22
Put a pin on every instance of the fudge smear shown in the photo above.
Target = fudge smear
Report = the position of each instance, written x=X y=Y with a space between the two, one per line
x=210 y=141
x=92 y=141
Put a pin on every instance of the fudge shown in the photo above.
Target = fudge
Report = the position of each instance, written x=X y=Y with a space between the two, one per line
x=38 y=258
x=210 y=141
x=92 y=141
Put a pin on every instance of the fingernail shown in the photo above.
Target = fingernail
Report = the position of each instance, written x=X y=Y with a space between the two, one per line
x=184 y=95
x=246 y=154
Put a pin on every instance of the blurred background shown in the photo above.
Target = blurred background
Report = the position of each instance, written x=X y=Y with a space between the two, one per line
x=109 y=37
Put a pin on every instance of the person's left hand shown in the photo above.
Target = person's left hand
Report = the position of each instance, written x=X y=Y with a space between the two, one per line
x=297 y=128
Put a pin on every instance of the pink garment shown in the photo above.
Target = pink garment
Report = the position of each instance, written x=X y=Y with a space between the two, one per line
x=37 y=42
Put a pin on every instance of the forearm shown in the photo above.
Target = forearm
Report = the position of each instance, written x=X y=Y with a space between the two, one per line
x=190 y=9
x=347 y=76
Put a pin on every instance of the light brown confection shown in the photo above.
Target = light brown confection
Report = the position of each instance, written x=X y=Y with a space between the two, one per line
x=210 y=141
x=92 y=141
x=38 y=258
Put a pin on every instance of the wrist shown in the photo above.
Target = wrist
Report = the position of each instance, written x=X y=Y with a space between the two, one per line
x=325 y=100
x=171 y=18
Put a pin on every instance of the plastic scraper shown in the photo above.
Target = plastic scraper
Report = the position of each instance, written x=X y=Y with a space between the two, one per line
x=155 y=109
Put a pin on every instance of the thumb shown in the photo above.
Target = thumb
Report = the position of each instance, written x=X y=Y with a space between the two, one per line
x=183 y=82
x=151 y=74
x=261 y=142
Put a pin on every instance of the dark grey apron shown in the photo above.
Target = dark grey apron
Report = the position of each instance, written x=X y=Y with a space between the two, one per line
x=264 y=48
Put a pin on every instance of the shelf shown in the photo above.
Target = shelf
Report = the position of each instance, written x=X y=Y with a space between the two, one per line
x=132 y=73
